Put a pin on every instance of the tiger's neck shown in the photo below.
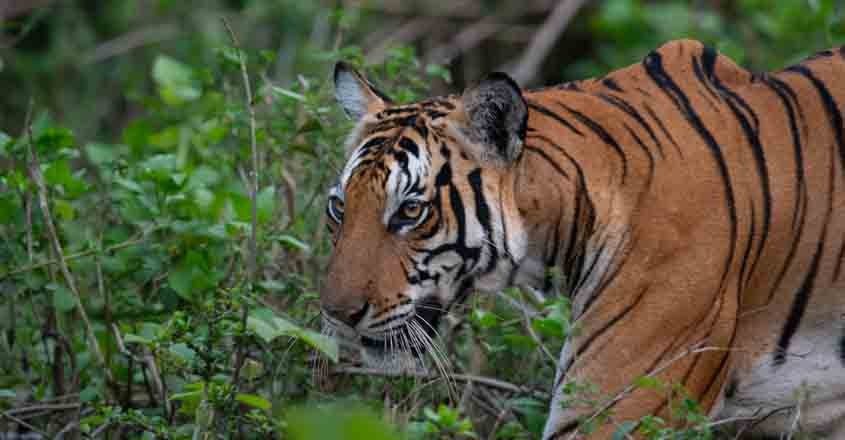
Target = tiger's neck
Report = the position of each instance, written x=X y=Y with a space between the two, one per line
x=574 y=206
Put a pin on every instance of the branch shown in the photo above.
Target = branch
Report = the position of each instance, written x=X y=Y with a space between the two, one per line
x=112 y=248
x=252 y=258
x=24 y=424
x=34 y=169
x=129 y=41
x=543 y=42
x=253 y=188
x=469 y=378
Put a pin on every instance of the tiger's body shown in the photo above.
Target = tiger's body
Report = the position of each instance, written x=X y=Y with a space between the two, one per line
x=695 y=210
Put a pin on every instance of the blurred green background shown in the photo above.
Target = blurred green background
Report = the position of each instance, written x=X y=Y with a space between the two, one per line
x=142 y=135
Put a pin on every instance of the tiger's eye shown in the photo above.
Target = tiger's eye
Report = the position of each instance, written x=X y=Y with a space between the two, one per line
x=412 y=209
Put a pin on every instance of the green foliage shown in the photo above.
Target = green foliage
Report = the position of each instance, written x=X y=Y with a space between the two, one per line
x=759 y=34
x=146 y=156
x=443 y=423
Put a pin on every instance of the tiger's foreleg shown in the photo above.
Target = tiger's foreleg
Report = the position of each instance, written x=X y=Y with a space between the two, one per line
x=649 y=338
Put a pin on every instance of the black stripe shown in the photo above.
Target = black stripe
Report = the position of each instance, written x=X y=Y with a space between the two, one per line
x=585 y=346
x=623 y=105
x=546 y=112
x=482 y=213
x=702 y=72
x=602 y=134
x=653 y=64
x=505 y=239
x=548 y=159
x=751 y=131
x=551 y=259
x=790 y=103
x=581 y=227
x=833 y=114
x=565 y=429
x=838 y=269
x=802 y=297
x=409 y=146
x=743 y=280
x=660 y=124
x=611 y=84
x=648 y=154
x=842 y=346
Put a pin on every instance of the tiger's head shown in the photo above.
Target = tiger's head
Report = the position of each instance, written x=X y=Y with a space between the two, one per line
x=422 y=213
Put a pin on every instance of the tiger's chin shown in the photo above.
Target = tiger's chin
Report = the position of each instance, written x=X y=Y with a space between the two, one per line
x=394 y=363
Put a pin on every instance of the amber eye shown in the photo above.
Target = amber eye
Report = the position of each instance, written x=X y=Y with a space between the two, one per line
x=411 y=209
x=409 y=214
x=335 y=209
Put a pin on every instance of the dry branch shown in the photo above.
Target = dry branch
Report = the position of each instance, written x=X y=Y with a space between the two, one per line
x=527 y=67
x=34 y=168
x=468 y=378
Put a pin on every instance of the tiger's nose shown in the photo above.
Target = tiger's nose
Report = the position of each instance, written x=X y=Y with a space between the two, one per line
x=350 y=316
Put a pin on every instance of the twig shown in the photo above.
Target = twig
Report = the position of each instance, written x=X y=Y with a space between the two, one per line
x=253 y=251
x=45 y=407
x=481 y=380
x=406 y=33
x=36 y=176
x=23 y=423
x=543 y=42
x=80 y=254
x=467 y=39
x=132 y=40
x=252 y=258
x=633 y=386
x=12 y=9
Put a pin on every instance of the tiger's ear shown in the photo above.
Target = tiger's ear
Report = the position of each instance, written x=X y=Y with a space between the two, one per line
x=497 y=116
x=355 y=94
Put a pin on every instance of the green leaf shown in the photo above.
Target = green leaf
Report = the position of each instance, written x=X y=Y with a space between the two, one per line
x=9 y=207
x=338 y=423
x=292 y=243
x=273 y=285
x=63 y=299
x=266 y=204
x=59 y=173
x=325 y=344
x=285 y=93
x=254 y=401
x=64 y=209
x=53 y=139
x=130 y=185
x=262 y=328
x=231 y=54
x=190 y=395
x=175 y=80
x=648 y=382
x=5 y=140
x=183 y=351
x=89 y=394
x=180 y=281
x=100 y=153
x=624 y=430
x=131 y=338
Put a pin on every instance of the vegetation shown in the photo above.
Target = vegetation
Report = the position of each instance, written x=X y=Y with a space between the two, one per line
x=162 y=176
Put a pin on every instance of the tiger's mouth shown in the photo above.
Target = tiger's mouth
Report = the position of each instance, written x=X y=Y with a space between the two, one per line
x=404 y=347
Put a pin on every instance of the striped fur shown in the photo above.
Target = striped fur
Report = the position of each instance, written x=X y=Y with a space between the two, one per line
x=696 y=210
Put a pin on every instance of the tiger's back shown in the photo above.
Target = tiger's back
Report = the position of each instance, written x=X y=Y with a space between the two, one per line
x=742 y=177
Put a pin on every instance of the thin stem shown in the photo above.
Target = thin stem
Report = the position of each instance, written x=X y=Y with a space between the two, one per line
x=35 y=174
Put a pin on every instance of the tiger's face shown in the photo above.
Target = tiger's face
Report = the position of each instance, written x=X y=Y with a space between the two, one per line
x=419 y=215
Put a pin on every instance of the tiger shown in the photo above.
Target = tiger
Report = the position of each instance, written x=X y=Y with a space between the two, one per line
x=694 y=210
